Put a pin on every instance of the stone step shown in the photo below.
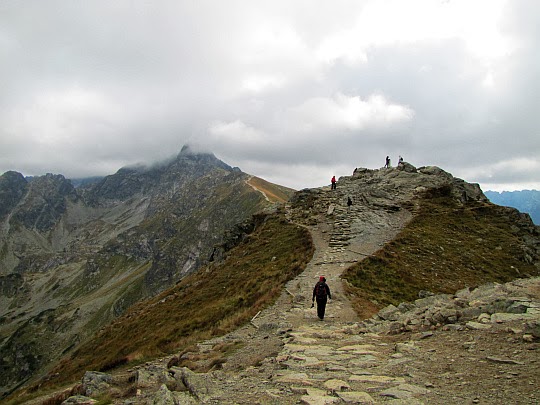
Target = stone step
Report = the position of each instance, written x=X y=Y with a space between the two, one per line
x=338 y=243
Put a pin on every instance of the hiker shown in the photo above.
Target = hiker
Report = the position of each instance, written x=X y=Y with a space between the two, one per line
x=400 y=162
x=349 y=202
x=333 y=182
x=387 y=163
x=321 y=292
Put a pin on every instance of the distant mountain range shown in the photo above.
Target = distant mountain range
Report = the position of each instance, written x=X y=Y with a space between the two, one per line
x=527 y=201
x=79 y=255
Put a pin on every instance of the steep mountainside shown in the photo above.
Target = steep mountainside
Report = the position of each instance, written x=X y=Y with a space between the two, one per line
x=407 y=233
x=527 y=201
x=71 y=260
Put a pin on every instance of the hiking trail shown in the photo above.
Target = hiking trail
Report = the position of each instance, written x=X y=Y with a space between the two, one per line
x=286 y=355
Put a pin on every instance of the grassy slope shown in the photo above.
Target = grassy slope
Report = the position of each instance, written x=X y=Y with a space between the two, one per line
x=444 y=248
x=210 y=302
x=273 y=192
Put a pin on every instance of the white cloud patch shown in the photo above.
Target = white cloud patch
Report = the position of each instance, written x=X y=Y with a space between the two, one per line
x=56 y=116
x=236 y=133
x=261 y=83
x=506 y=171
x=383 y=23
x=347 y=112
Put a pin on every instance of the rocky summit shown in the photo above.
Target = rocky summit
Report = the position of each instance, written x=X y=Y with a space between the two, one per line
x=381 y=235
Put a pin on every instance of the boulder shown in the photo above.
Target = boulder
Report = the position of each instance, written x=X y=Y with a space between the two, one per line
x=79 y=400
x=96 y=383
x=389 y=313
x=356 y=397
x=434 y=171
x=153 y=376
x=336 y=385
x=406 y=167
x=533 y=328
x=163 y=396
x=200 y=385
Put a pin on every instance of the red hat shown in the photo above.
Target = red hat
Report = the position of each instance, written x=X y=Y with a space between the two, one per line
x=321 y=278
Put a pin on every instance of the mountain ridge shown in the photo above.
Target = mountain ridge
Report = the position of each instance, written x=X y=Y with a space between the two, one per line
x=73 y=259
x=527 y=201
x=270 y=359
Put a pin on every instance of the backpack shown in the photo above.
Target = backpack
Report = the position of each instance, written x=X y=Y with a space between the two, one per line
x=320 y=290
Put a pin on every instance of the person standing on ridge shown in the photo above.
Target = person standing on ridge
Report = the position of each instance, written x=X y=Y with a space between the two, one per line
x=333 y=182
x=321 y=292
x=387 y=163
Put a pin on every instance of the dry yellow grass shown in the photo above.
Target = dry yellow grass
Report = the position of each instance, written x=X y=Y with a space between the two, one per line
x=273 y=192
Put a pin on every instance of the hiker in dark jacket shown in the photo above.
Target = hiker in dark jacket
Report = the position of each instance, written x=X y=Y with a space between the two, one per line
x=321 y=292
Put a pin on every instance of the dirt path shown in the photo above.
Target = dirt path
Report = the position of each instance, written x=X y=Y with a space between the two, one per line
x=288 y=356
x=363 y=238
x=291 y=318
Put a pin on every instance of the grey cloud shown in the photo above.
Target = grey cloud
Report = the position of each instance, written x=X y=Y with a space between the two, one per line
x=151 y=77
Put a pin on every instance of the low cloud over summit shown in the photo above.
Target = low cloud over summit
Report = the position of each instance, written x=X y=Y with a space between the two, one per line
x=291 y=92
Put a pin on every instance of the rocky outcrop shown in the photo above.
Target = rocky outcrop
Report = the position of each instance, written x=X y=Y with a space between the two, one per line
x=383 y=198
x=486 y=305
x=159 y=181
x=13 y=187
x=524 y=200
x=45 y=203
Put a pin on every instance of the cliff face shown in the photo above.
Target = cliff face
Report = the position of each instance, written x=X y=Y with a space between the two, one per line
x=71 y=260
x=12 y=189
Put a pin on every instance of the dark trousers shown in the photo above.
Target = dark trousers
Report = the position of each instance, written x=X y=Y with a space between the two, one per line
x=321 y=307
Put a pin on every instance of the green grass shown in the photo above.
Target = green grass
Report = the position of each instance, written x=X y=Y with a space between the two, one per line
x=211 y=302
x=444 y=248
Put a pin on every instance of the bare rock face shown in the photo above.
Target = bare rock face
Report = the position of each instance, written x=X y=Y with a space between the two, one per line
x=13 y=187
x=46 y=202
x=385 y=190
x=96 y=383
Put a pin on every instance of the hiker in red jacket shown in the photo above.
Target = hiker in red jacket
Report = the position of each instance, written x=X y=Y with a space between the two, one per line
x=321 y=292
x=333 y=182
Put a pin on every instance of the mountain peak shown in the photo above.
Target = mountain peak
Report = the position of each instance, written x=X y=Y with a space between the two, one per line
x=186 y=150
x=190 y=153
x=190 y=150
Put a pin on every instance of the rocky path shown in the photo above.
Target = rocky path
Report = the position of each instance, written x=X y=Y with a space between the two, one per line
x=312 y=361
x=477 y=347
x=289 y=356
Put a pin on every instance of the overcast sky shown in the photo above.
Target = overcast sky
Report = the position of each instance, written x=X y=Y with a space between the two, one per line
x=291 y=91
